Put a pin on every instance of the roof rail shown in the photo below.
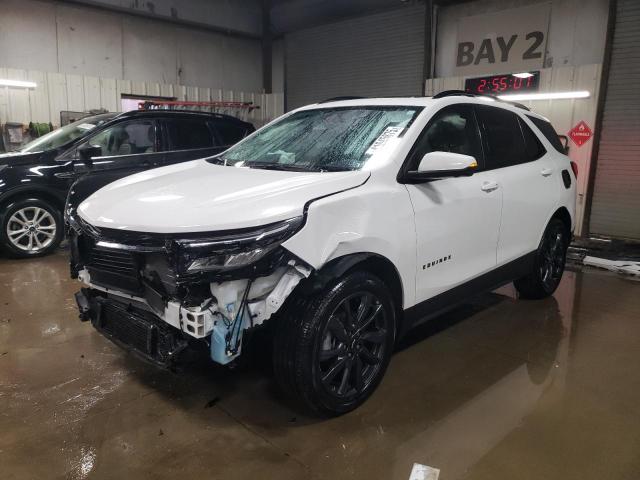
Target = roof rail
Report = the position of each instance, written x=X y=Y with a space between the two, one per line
x=337 y=99
x=451 y=93
x=462 y=93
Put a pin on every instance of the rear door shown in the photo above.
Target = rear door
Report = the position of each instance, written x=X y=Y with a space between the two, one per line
x=457 y=219
x=526 y=174
x=189 y=139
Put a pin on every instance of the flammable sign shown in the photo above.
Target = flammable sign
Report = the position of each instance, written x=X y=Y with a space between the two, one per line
x=581 y=133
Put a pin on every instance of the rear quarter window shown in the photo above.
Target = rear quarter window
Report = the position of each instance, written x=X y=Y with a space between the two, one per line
x=231 y=133
x=532 y=143
x=549 y=132
x=189 y=134
x=503 y=136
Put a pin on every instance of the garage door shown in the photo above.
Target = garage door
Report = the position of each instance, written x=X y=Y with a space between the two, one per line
x=615 y=209
x=376 y=55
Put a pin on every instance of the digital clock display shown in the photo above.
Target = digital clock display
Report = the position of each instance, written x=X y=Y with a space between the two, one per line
x=499 y=84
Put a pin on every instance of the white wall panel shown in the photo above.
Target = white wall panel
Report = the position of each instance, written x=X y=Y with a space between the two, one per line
x=75 y=93
x=92 y=94
x=109 y=94
x=56 y=92
x=39 y=97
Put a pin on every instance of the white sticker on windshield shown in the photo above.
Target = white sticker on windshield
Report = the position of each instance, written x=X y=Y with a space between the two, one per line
x=385 y=136
x=86 y=126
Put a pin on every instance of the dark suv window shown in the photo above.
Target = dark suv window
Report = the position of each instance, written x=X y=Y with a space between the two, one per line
x=452 y=129
x=504 y=139
x=549 y=132
x=532 y=143
x=188 y=134
x=230 y=133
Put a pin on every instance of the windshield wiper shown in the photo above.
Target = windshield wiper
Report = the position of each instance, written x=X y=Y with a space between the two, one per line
x=287 y=167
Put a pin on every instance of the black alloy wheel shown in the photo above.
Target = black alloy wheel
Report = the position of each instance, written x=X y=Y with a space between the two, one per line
x=549 y=263
x=331 y=349
x=352 y=345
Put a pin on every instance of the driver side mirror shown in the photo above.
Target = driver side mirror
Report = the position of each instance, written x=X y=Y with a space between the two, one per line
x=87 y=152
x=435 y=165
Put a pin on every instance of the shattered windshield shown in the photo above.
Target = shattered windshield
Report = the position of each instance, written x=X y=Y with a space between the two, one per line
x=330 y=139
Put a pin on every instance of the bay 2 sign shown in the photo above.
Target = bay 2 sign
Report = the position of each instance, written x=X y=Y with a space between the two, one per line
x=511 y=40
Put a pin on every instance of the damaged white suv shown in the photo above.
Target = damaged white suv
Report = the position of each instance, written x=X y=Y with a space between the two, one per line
x=340 y=225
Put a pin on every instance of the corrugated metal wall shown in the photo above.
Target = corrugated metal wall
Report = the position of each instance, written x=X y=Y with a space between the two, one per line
x=564 y=114
x=375 y=55
x=615 y=209
x=57 y=91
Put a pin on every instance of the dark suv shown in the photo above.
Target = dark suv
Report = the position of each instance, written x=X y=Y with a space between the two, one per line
x=34 y=181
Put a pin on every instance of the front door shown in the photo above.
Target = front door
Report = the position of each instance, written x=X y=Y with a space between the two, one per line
x=457 y=219
x=528 y=177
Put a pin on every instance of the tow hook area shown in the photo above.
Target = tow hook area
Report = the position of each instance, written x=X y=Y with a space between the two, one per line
x=242 y=304
x=83 y=305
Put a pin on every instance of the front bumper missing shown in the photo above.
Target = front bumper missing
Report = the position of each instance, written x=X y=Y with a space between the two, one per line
x=132 y=329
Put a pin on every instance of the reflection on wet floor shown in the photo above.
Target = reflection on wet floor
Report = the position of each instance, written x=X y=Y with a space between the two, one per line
x=497 y=389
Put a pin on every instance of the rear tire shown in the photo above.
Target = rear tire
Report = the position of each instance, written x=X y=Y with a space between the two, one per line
x=331 y=350
x=548 y=265
x=30 y=228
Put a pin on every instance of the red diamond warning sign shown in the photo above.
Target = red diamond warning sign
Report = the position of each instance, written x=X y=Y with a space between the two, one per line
x=580 y=134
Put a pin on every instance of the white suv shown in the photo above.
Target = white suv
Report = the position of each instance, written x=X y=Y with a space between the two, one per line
x=339 y=226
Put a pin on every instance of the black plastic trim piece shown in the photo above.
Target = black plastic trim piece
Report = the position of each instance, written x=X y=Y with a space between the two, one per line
x=445 y=301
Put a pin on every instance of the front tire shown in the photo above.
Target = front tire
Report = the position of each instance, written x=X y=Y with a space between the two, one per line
x=548 y=264
x=332 y=350
x=30 y=228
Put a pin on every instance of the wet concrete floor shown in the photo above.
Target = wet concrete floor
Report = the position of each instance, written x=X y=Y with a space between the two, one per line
x=497 y=389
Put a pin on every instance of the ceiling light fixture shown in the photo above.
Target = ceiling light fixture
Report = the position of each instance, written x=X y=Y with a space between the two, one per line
x=522 y=75
x=520 y=97
x=17 y=83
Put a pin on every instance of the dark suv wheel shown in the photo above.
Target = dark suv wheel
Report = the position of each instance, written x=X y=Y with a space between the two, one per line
x=549 y=263
x=30 y=228
x=332 y=350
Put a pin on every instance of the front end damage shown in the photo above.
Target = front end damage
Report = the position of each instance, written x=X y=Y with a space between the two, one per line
x=158 y=294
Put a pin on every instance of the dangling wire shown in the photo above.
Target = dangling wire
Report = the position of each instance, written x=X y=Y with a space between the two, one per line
x=236 y=327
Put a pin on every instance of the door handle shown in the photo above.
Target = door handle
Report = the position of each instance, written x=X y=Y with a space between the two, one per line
x=546 y=172
x=489 y=186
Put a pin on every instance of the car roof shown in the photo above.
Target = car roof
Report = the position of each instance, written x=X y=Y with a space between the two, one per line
x=179 y=113
x=345 y=102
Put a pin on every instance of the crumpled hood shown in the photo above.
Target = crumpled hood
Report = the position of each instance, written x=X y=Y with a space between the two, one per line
x=199 y=196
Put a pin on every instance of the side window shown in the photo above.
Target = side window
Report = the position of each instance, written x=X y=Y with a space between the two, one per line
x=452 y=129
x=549 y=132
x=230 y=133
x=504 y=140
x=126 y=138
x=532 y=143
x=188 y=134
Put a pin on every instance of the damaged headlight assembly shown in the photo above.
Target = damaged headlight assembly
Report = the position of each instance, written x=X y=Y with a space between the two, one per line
x=236 y=250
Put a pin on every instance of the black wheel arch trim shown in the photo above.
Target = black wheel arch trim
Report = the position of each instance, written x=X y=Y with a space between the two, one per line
x=39 y=192
x=374 y=263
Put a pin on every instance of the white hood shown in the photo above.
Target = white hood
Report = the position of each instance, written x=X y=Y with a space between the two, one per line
x=199 y=196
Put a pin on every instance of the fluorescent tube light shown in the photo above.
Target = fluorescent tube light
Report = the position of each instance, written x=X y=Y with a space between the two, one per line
x=17 y=83
x=522 y=75
x=544 y=96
